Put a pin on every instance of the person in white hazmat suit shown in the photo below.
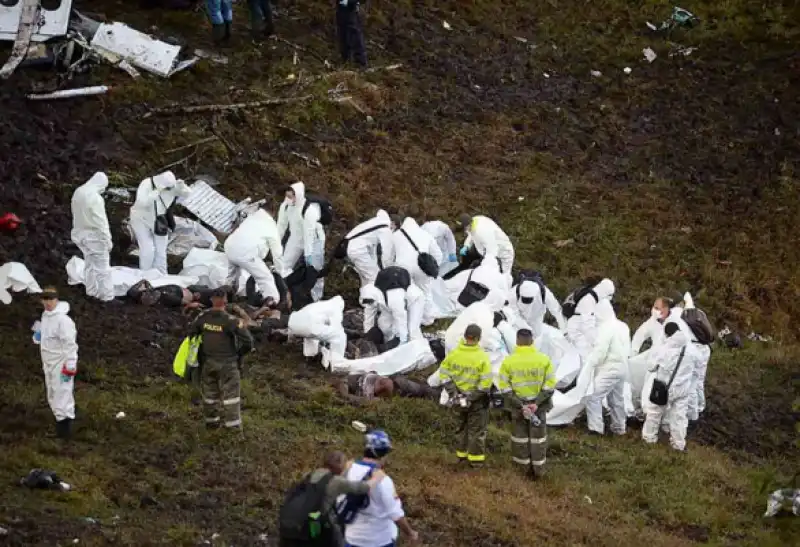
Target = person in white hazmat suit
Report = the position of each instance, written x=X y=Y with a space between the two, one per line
x=609 y=361
x=321 y=322
x=489 y=240
x=247 y=248
x=394 y=305
x=57 y=338
x=370 y=247
x=672 y=363
x=153 y=197
x=697 y=399
x=446 y=241
x=306 y=235
x=92 y=234
x=581 y=327
x=409 y=241
x=533 y=300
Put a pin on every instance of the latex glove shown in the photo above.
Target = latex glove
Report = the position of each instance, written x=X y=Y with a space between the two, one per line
x=70 y=368
x=463 y=251
x=452 y=258
x=529 y=410
x=308 y=261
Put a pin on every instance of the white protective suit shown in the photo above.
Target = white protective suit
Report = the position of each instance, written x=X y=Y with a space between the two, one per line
x=490 y=240
x=446 y=241
x=398 y=314
x=582 y=327
x=528 y=298
x=697 y=399
x=247 y=248
x=59 y=349
x=609 y=362
x=306 y=235
x=498 y=341
x=153 y=197
x=362 y=250
x=663 y=361
x=406 y=257
x=92 y=234
x=321 y=322
x=405 y=358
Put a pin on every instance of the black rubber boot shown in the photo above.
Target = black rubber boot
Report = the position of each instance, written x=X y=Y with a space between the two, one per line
x=64 y=429
x=218 y=33
x=227 y=36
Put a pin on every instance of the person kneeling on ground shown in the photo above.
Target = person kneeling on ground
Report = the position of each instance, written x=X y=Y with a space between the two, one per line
x=321 y=488
x=370 y=386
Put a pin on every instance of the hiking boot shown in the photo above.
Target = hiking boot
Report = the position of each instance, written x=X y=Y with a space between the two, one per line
x=218 y=34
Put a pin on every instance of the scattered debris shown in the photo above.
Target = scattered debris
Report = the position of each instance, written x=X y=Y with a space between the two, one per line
x=120 y=415
x=44 y=480
x=777 y=132
x=29 y=15
x=686 y=229
x=48 y=23
x=679 y=18
x=649 y=54
x=359 y=426
x=69 y=93
x=781 y=499
x=122 y=195
x=263 y=537
x=520 y=198
x=563 y=242
x=680 y=50
x=546 y=75
x=730 y=338
x=587 y=499
x=178 y=109
x=596 y=73
x=627 y=70
x=446 y=25
x=521 y=39
x=3 y=531
x=724 y=262
x=215 y=209
x=310 y=161
x=90 y=520
x=755 y=337
x=211 y=56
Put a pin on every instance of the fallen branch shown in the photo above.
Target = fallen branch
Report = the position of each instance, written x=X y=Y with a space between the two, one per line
x=296 y=132
x=174 y=163
x=301 y=48
x=225 y=107
x=196 y=143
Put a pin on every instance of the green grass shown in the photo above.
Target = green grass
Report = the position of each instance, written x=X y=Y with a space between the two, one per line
x=671 y=179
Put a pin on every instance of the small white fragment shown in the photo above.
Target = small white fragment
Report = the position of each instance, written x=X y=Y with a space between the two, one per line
x=359 y=426
x=120 y=415
x=76 y=541
x=627 y=70
x=521 y=198
x=446 y=25
x=596 y=73
x=3 y=531
x=651 y=26
x=214 y=536
x=588 y=499
x=291 y=77
x=546 y=75
x=649 y=54
x=777 y=132
x=521 y=39
x=370 y=119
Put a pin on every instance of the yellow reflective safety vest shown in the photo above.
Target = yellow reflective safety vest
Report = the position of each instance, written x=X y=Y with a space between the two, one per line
x=468 y=367
x=186 y=357
x=526 y=372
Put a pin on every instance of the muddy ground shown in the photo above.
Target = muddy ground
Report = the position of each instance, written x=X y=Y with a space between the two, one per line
x=710 y=138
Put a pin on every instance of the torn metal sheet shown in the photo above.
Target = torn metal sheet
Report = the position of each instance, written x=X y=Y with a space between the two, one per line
x=137 y=48
x=49 y=23
x=215 y=209
x=27 y=16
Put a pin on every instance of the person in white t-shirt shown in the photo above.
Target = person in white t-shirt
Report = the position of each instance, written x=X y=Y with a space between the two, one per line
x=376 y=524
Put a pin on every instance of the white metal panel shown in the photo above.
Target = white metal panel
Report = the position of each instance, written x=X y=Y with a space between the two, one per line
x=49 y=23
x=210 y=206
x=137 y=48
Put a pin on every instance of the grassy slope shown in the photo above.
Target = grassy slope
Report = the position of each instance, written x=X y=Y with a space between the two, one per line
x=664 y=180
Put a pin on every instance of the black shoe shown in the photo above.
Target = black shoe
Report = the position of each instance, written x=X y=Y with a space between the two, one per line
x=64 y=429
x=218 y=33
x=227 y=35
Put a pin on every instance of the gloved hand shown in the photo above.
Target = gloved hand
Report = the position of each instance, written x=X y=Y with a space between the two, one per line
x=452 y=258
x=463 y=251
x=308 y=261
x=529 y=410
x=70 y=368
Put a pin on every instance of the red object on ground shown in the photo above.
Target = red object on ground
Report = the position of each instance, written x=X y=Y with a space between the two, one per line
x=9 y=222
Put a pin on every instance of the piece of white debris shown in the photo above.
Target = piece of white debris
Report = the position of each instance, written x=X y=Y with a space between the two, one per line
x=263 y=537
x=446 y=25
x=291 y=77
x=76 y=541
x=777 y=132
x=521 y=39
x=120 y=415
x=214 y=536
x=588 y=499
x=627 y=70
x=521 y=198
x=596 y=73
x=3 y=531
x=359 y=426
x=545 y=74
x=370 y=119
x=649 y=54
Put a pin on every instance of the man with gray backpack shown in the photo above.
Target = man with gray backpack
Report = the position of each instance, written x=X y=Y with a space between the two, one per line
x=306 y=517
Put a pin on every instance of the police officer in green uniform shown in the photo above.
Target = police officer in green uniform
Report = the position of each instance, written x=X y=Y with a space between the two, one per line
x=225 y=340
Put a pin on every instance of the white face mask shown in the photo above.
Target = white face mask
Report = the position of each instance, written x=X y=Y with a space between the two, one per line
x=656 y=313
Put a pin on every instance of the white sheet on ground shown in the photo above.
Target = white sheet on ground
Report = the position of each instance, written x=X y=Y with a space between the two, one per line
x=16 y=277
x=189 y=234
x=568 y=406
x=565 y=358
x=211 y=268
x=405 y=358
x=124 y=278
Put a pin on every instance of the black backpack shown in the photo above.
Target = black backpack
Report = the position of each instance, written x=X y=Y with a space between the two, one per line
x=530 y=275
x=393 y=277
x=425 y=261
x=571 y=301
x=472 y=292
x=325 y=208
x=698 y=322
x=352 y=504
x=301 y=517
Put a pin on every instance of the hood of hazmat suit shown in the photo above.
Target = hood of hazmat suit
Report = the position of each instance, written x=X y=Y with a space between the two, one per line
x=58 y=343
x=290 y=215
x=89 y=219
x=609 y=355
x=154 y=195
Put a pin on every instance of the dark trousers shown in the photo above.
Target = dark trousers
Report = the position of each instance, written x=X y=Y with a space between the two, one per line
x=351 y=36
x=261 y=16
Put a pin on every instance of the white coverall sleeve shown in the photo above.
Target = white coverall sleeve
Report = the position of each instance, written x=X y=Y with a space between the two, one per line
x=468 y=240
x=396 y=302
x=181 y=189
x=509 y=335
x=68 y=335
x=276 y=249
x=641 y=335
x=450 y=246
x=387 y=248
x=370 y=315
x=554 y=307
x=146 y=194
x=483 y=234
x=601 y=346
x=310 y=221
x=283 y=219
x=97 y=217
x=435 y=251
